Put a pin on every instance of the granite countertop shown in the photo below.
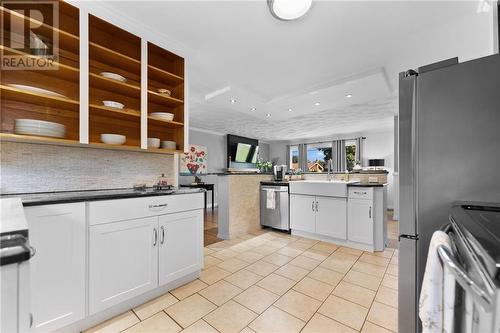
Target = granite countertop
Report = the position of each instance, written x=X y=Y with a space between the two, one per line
x=43 y=198
x=275 y=183
x=366 y=184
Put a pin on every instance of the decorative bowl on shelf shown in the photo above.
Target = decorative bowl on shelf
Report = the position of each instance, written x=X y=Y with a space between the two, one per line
x=168 y=144
x=113 y=76
x=162 y=115
x=113 y=104
x=39 y=128
x=153 y=143
x=113 y=139
x=163 y=91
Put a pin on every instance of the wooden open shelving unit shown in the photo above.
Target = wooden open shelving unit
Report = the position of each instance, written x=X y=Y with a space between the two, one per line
x=110 y=49
x=19 y=103
x=166 y=71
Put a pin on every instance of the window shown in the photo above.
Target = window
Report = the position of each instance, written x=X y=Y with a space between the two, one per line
x=317 y=155
x=294 y=158
x=350 y=154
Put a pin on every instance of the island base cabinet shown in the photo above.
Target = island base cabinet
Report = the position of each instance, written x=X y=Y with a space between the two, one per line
x=360 y=217
x=181 y=245
x=303 y=212
x=331 y=217
x=123 y=261
x=57 y=271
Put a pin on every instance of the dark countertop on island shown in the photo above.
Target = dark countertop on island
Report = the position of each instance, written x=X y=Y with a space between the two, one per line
x=45 y=198
x=275 y=183
x=366 y=184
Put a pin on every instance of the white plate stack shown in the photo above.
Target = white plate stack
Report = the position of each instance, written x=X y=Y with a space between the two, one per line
x=39 y=128
x=162 y=115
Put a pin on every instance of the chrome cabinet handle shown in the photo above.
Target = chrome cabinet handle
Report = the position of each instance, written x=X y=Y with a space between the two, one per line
x=357 y=192
x=370 y=212
x=31 y=319
x=312 y=206
x=316 y=206
x=155 y=234
x=158 y=206
x=162 y=239
x=32 y=251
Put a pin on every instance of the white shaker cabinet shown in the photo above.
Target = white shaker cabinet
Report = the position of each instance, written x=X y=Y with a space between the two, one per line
x=360 y=221
x=303 y=212
x=331 y=217
x=181 y=245
x=57 y=271
x=123 y=261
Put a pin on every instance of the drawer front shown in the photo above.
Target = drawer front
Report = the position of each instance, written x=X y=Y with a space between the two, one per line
x=125 y=209
x=361 y=193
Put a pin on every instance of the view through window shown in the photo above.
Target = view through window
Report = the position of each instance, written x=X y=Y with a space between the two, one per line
x=317 y=155
x=350 y=154
x=294 y=158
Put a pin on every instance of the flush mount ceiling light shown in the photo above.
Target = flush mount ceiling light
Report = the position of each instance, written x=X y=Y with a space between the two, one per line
x=348 y=95
x=253 y=109
x=268 y=115
x=287 y=10
x=232 y=100
x=317 y=104
x=290 y=110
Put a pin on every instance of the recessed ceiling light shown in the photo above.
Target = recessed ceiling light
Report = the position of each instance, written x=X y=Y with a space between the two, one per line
x=348 y=95
x=253 y=109
x=288 y=10
x=317 y=104
x=268 y=115
x=290 y=110
x=232 y=100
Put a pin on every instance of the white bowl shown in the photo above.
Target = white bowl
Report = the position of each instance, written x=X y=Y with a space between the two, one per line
x=163 y=91
x=39 y=127
x=113 y=104
x=113 y=139
x=162 y=115
x=153 y=143
x=113 y=76
x=169 y=144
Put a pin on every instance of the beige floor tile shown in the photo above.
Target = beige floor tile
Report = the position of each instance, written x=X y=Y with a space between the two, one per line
x=314 y=288
x=243 y=278
x=292 y=272
x=348 y=313
x=392 y=269
x=231 y=317
x=276 y=321
x=362 y=279
x=299 y=305
x=323 y=324
x=390 y=281
x=290 y=252
x=305 y=262
x=300 y=246
x=209 y=261
x=370 y=269
x=315 y=254
x=384 y=315
x=354 y=293
x=154 y=306
x=220 y=292
x=276 y=283
x=338 y=264
x=386 y=253
x=207 y=251
x=350 y=250
x=190 y=309
x=344 y=256
x=242 y=247
x=326 y=275
x=264 y=249
x=115 y=324
x=256 y=298
x=372 y=328
x=372 y=259
x=218 y=246
x=246 y=236
x=325 y=247
x=232 y=265
x=262 y=268
x=188 y=289
x=387 y=296
x=277 y=259
x=224 y=254
x=250 y=257
x=396 y=253
x=200 y=326
x=213 y=274
x=395 y=261
x=160 y=322
x=308 y=241
x=247 y=330
x=277 y=243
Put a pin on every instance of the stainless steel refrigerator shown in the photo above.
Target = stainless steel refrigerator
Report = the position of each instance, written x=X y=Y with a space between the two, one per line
x=449 y=150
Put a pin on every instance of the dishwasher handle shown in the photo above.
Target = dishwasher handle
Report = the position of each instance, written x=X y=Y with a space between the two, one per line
x=265 y=189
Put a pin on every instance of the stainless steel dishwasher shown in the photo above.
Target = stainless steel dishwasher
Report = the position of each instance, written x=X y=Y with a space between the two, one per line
x=274 y=205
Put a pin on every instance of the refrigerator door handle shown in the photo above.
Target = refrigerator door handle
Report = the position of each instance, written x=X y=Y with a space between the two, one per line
x=412 y=237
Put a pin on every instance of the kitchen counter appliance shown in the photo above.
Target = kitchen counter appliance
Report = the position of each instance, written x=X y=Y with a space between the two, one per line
x=279 y=172
x=448 y=151
x=275 y=205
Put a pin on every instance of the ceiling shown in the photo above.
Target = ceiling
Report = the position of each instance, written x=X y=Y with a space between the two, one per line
x=238 y=50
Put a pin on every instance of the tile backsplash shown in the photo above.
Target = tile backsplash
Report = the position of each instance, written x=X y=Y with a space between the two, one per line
x=43 y=168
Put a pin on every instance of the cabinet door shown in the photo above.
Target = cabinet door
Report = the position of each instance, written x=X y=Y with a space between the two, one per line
x=57 y=271
x=123 y=261
x=181 y=245
x=302 y=213
x=331 y=217
x=360 y=221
